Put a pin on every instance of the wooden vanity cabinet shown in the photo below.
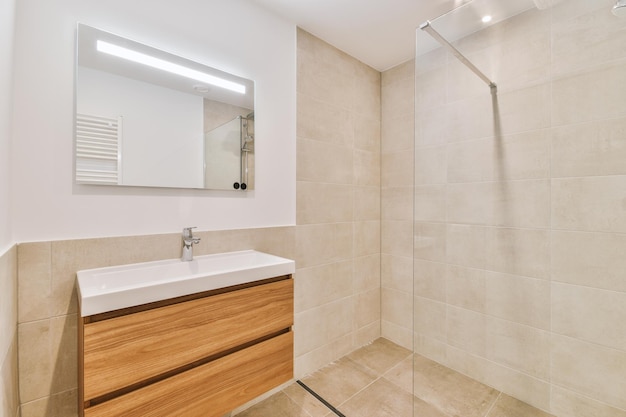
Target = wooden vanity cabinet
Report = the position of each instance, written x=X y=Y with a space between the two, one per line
x=200 y=355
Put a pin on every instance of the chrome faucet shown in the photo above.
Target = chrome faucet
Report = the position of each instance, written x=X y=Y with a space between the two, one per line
x=188 y=242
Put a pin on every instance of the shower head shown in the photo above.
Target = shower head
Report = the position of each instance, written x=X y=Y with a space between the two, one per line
x=619 y=9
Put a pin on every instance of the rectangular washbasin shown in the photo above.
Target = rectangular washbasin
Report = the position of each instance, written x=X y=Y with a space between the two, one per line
x=112 y=288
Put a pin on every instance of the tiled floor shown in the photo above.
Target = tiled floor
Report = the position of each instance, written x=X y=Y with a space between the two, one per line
x=376 y=381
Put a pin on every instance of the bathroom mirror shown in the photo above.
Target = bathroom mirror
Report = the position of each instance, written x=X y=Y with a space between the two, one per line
x=145 y=117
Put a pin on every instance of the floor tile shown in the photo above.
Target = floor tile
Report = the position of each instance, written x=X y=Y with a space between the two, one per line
x=305 y=400
x=380 y=399
x=278 y=405
x=510 y=407
x=340 y=380
x=401 y=375
x=451 y=392
x=384 y=380
x=380 y=355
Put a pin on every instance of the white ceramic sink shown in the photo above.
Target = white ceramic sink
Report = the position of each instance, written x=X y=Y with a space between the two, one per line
x=107 y=289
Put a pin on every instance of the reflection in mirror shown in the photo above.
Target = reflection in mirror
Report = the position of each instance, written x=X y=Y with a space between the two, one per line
x=145 y=117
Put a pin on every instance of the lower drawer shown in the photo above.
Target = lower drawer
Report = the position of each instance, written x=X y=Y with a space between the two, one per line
x=212 y=389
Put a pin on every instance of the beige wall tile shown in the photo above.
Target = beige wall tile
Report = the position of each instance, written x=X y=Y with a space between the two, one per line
x=367 y=203
x=522 y=156
x=470 y=203
x=397 y=334
x=326 y=75
x=429 y=280
x=36 y=364
x=429 y=318
x=466 y=245
x=568 y=403
x=367 y=131
x=593 y=148
x=366 y=99
x=524 y=60
x=429 y=241
x=577 y=42
x=590 y=96
x=339 y=204
x=589 y=369
x=398 y=97
x=366 y=238
x=465 y=287
x=322 y=325
x=397 y=308
x=430 y=165
x=397 y=129
x=519 y=299
x=525 y=109
x=323 y=122
x=401 y=71
x=397 y=203
x=59 y=405
x=397 y=169
x=519 y=347
x=324 y=162
x=397 y=273
x=463 y=84
x=323 y=203
x=318 y=244
x=366 y=272
x=431 y=127
x=589 y=204
x=471 y=161
x=9 y=388
x=430 y=203
x=35 y=272
x=366 y=168
x=533 y=391
x=430 y=89
x=431 y=348
x=522 y=203
x=590 y=259
x=8 y=300
x=469 y=119
x=319 y=285
x=397 y=238
x=367 y=308
x=596 y=316
x=466 y=330
x=519 y=251
x=367 y=334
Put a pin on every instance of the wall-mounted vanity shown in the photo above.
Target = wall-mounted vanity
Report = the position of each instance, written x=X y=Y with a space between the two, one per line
x=192 y=339
x=145 y=117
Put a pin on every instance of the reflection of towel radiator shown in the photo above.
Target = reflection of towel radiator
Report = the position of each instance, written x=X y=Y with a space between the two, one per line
x=98 y=143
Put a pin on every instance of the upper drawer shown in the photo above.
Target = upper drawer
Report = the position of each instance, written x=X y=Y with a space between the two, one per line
x=126 y=350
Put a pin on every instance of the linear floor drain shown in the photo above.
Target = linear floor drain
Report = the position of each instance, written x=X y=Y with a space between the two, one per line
x=322 y=400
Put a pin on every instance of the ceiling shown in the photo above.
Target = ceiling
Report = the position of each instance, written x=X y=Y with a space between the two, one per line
x=380 y=33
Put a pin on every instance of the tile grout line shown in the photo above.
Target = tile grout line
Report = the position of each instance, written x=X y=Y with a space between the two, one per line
x=494 y=404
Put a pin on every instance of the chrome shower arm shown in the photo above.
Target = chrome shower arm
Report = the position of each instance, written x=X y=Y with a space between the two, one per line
x=427 y=27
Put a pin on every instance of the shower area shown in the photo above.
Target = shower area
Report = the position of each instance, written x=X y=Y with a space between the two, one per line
x=519 y=203
x=469 y=261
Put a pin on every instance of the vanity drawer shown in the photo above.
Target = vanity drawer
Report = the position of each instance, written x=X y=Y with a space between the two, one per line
x=129 y=350
x=212 y=389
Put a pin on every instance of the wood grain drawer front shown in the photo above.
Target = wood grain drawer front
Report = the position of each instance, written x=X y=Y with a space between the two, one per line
x=210 y=390
x=130 y=349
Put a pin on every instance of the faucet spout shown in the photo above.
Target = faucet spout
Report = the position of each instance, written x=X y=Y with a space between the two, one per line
x=188 y=242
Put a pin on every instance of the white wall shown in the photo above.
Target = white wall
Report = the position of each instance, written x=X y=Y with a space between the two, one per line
x=7 y=17
x=232 y=35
